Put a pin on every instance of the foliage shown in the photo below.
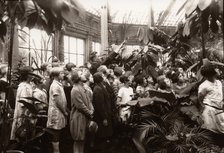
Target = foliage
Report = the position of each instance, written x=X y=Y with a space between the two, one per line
x=48 y=15
x=169 y=125
x=153 y=34
x=31 y=132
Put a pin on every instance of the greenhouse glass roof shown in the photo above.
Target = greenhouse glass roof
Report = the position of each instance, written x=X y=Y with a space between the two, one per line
x=137 y=11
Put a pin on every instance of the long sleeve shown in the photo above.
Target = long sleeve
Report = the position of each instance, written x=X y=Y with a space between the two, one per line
x=99 y=103
x=78 y=102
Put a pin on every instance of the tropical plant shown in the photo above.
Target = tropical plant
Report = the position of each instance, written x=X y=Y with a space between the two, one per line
x=167 y=134
x=171 y=123
x=30 y=134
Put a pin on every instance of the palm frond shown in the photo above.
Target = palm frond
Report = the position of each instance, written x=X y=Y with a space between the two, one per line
x=150 y=127
x=179 y=148
x=147 y=114
x=163 y=150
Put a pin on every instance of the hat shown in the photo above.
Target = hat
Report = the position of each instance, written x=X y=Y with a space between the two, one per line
x=27 y=70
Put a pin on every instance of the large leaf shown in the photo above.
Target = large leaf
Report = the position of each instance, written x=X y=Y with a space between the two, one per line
x=34 y=99
x=67 y=10
x=29 y=106
x=138 y=144
x=187 y=90
x=193 y=4
x=166 y=96
x=203 y=4
x=188 y=24
x=166 y=12
x=150 y=70
x=192 y=112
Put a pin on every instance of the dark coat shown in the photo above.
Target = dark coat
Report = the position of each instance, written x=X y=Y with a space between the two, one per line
x=112 y=95
x=103 y=110
x=8 y=90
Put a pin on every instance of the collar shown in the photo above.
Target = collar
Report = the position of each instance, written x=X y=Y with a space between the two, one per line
x=59 y=83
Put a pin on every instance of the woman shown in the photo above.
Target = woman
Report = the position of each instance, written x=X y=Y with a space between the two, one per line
x=40 y=93
x=102 y=107
x=24 y=90
x=81 y=111
x=57 y=110
x=210 y=95
x=125 y=94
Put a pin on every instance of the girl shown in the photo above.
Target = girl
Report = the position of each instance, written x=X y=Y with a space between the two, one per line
x=210 y=95
x=57 y=112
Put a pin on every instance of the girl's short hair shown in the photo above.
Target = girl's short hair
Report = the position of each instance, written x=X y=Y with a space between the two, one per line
x=97 y=77
x=75 y=77
x=69 y=66
x=161 y=82
x=55 y=71
x=208 y=70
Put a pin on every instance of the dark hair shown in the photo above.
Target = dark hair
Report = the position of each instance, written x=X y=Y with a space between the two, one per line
x=75 y=77
x=160 y=72
x=110 y=76
x=97 y=77
x=69 y=66
x=124 y=79
x=117 y=71
x=175 y=77
x=161 y=82
x=139 y=79
x=43 y=66
x=37 y=80
x=208 y=71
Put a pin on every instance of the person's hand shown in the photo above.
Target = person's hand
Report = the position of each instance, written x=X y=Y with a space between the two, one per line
x=105 y=122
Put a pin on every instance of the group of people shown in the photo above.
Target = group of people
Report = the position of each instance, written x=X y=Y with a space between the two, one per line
x=88 y=104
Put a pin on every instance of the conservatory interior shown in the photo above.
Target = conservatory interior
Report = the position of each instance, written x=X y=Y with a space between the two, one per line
x=111 y=76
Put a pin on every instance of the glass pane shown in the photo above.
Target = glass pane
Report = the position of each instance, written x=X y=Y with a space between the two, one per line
x=23 y=37
x=24 y=54
x=80 y=61
x=35 y=38
x=66 y=59
x=46 y=41
x=98 y=46
x=93 y=46
x=80 y=46
x=66 y=42
x=73 y=58
x=49 y=54
x=72 y=45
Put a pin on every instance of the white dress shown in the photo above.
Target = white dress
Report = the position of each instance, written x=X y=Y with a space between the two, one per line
x=24 y=90
x=212 y=98
x=126 y=95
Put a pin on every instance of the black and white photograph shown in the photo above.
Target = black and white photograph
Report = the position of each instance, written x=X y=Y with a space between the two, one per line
x=111 y=76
